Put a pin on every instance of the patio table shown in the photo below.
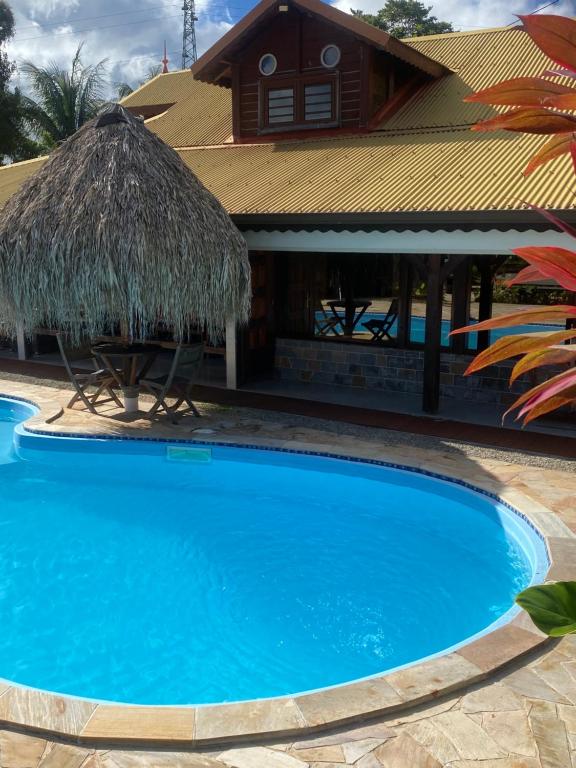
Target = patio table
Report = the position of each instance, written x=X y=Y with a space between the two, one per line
x=127 y=363
x=354 y=310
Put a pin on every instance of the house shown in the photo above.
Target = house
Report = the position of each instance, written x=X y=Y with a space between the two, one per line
x=346 y=158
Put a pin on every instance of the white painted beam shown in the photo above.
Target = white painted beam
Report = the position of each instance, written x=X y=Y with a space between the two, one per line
x=476 y=242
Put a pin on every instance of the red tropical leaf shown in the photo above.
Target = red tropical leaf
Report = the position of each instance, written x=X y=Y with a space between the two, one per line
x=559 y=101
x=538 y=121
x=537 y=358
x=554 y=386
x=522 y=92
x=555 y=312
x=555 y=147
x=556 y=263
x=521 y=344
x=555 y=36
x=553 y=403
x=526 y=275
x=546 y=386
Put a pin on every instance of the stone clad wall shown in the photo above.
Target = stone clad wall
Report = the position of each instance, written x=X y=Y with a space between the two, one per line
x=392 y=370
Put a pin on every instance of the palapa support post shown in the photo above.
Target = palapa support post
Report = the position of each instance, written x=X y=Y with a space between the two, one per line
x=21 y=341
x=431 y=378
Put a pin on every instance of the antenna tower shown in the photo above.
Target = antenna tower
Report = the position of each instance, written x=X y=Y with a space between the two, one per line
x=189 y=55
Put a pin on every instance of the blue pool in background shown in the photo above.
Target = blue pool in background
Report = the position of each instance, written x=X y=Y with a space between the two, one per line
x=154 y=574
x=417 y=329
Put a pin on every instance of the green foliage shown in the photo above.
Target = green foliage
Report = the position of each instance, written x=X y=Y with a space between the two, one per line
x=405 y=18
x=552 y=607
x=528 y=294
x=14 y=142
x=64 y=100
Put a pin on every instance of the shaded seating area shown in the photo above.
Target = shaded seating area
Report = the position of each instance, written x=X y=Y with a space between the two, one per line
x=132 y=268
x=121 y=366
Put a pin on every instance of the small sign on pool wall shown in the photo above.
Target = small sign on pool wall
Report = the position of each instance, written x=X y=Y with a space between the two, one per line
x=189 y=453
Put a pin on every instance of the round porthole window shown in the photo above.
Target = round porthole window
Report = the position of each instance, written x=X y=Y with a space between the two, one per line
x=330 y=56
x=268 y=64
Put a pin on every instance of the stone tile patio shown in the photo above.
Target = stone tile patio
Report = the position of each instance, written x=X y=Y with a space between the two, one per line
x=522 y=717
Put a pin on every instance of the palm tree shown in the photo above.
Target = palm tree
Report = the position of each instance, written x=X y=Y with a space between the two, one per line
x=65 y=100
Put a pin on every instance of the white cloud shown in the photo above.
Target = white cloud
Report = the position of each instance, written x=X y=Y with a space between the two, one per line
x=471 y=14
x=131 y=38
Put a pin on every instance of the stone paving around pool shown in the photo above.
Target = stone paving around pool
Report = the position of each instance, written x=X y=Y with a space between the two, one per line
x=522 y=717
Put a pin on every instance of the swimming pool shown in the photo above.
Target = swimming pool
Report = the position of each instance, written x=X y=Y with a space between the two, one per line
x=418 y=329
x=196 y=575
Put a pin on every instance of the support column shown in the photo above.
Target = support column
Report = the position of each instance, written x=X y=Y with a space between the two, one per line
x=485 y=300
x=431 y=378
x=231 y=356
x=21 y=341
x=461 y=294
x=405 y=280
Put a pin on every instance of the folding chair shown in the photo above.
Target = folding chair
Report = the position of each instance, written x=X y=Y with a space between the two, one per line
x=179 y=381
x=326 y=325
x=101 y=378
x=380 y=329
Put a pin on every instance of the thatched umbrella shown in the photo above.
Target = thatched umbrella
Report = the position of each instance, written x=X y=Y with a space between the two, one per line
x=115 y=227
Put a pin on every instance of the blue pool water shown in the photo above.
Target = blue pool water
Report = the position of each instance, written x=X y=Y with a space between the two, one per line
x=136 y=573
x=418 y=329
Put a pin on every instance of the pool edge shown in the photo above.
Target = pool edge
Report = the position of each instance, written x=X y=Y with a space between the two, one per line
x=93 y=723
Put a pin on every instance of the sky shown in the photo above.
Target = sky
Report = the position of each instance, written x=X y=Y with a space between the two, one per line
x=130 y=34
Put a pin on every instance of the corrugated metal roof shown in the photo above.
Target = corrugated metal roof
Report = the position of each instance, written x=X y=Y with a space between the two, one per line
x=432 y=171
x=205 y=117
x=167 y=88
x=12 y=176
x=449 y=171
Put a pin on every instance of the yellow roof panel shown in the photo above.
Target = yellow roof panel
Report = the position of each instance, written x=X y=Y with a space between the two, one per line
x=13 y=176
x=167 y=88
x=204 y=117
x=433 y=171
x=453 y=170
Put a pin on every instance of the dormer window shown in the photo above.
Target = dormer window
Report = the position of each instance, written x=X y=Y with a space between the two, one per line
x=295 y=104
x=280 y=106
x=330 y=56
x=267 y=64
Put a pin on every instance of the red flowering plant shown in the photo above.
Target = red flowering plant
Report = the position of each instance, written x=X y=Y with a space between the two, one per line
x=540 y=106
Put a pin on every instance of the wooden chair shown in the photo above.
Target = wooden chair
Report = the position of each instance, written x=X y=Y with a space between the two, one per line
x=179 y=380
x=380 y=329
x=101 y=379
x=326 y=325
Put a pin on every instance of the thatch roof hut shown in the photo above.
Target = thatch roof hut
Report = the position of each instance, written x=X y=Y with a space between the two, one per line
x=115 y=227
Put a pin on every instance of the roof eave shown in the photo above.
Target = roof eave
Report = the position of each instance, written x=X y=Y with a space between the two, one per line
x=207 y=67
x=398 y=221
